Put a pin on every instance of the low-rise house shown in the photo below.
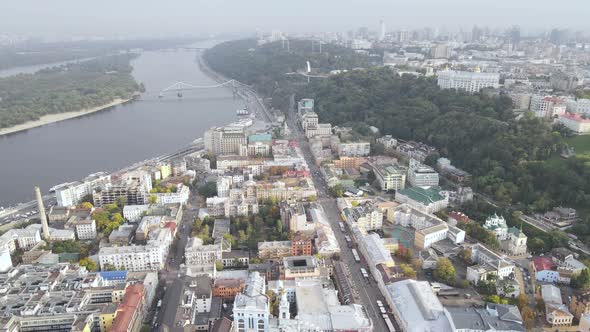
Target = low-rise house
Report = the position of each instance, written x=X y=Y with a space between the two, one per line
x=274 y=249
x=428 y=259
x=487 y=263
x=235 y=258
x=227 y=288
x=580 y=305
x=556 y=313
x=58 y=213
x=560 y=217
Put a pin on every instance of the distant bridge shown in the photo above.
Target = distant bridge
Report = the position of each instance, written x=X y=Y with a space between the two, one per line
x=180 y=87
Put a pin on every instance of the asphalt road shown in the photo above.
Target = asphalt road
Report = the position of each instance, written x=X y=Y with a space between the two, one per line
x=171 y=276
x=367 y=290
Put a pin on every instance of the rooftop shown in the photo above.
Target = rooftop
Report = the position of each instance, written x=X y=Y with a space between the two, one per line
x=422 y=195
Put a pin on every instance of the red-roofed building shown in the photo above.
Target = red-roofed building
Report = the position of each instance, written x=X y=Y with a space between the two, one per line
x=545 y=269
x=172 y=227
x=455 y=217
x=575 y=122
x=131 y=310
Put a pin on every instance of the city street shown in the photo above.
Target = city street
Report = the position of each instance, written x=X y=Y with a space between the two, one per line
x=171 y=276
x=366 y=289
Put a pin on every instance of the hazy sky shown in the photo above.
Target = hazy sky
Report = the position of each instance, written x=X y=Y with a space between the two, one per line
x=149 y=17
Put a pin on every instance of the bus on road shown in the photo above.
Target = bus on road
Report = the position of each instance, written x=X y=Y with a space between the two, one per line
x=388 y=323
x=356 y=255
x=348 y=241
x=364 y=273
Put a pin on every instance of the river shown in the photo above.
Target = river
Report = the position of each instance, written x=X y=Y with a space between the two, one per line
x=112 y=139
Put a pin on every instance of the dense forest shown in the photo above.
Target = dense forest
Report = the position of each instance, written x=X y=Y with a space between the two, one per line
x=36 y=53
x=67 y=88
x=477 y=132
x=271 y=68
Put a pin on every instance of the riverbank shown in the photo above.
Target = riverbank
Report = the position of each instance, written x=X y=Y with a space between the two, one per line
x=52 y=118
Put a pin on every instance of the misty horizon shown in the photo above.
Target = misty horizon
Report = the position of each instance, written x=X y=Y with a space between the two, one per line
x=109 y=18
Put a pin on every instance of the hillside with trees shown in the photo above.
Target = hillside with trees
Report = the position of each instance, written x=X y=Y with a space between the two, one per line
x=477 y=132
x=271 y=68
x=67 y=88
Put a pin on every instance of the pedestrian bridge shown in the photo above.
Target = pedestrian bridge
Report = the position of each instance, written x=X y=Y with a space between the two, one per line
x=179 y=87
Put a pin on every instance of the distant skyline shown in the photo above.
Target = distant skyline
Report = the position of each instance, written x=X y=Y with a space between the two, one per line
x=64 y=18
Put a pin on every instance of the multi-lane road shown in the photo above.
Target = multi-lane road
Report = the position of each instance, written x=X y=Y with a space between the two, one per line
x=367 y=290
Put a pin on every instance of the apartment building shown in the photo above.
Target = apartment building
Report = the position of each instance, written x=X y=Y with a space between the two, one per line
x=199 y=254
x=390 y=177
x=73 y=193
x=225 y=140
x=151 y=257
x=471 y=82
x=420 y=175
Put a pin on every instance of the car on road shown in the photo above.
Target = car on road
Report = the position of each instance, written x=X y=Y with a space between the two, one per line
x=383 y=311
x=379 y=303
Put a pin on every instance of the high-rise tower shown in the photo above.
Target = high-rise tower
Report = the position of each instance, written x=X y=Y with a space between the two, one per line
x=382 y=32
x=42 y=214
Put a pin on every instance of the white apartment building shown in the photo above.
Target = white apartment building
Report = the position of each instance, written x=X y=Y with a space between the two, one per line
x=252 y=308
x=354 y=149
x=429 y=228
x=487 y=262
x=321 y=129
x=392 y=177
x=309 y=119
x=85 y=229
x=257 y=149
x=5 y=259
x=73 y=193
x=420 y=175
x=134 y=213
x=366 y=215
x=225 y=140
x=471 y=82
x=199 y=254
x=580 y=106
x=547 y=106
x=180 y=196
x=23 y=239
x=151 y=257
x=223 y=186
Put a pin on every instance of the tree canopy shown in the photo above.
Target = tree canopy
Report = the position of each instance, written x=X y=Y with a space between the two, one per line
x=67 y=88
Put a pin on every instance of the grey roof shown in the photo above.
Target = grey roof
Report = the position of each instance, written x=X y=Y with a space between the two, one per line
x=200 y=285
x=498 y=318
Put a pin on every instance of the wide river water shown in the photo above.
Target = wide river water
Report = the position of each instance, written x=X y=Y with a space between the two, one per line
x=112 y=139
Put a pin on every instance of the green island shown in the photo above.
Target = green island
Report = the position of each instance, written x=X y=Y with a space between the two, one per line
x=510 y=158
x=38 y=53
x=68 y=88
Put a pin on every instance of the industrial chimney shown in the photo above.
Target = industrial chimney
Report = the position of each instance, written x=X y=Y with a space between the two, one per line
x=42 y=214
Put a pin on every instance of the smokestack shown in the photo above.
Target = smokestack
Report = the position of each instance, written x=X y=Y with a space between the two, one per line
x=42 y=213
